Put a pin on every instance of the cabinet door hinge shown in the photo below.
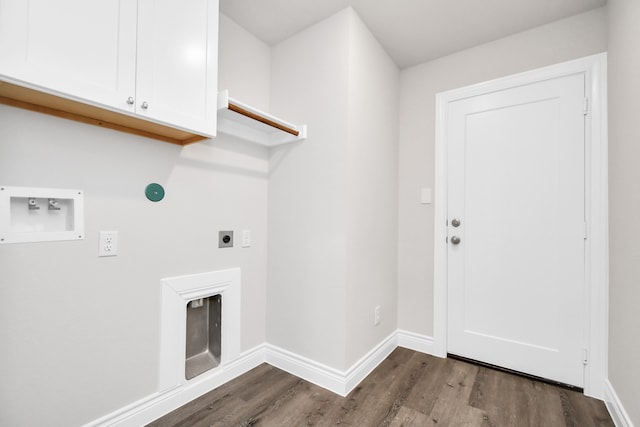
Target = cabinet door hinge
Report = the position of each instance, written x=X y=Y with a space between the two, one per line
x=586 y=231
x=585 y=356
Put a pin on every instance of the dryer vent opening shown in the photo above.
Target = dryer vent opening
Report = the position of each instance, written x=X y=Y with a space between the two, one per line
x=203 y=338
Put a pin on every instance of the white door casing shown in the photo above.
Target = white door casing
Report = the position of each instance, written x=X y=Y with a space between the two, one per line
x=596 y=259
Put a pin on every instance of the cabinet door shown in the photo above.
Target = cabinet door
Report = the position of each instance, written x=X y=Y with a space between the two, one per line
x=84 y=49
x=177 y=63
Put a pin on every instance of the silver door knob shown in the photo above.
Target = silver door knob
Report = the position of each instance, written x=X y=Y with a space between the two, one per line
x=455 y=240
x=130 y=100
x=455 y=222
x=144 y=105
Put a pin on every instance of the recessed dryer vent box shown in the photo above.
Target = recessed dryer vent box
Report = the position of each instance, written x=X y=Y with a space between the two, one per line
x=40 y=214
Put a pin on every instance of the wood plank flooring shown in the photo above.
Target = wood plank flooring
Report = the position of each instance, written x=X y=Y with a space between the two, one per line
x=406 y=389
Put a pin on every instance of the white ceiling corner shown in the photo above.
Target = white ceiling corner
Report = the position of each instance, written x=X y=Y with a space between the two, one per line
x=412 y=31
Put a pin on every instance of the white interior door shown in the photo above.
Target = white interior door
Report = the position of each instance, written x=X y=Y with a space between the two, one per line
x=516 y=187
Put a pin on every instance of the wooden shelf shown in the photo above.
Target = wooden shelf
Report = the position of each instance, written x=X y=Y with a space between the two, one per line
x=48 y=103
x=243 y=121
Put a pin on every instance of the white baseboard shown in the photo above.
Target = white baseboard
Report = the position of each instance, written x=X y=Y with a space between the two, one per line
x=339 y=382
x=416 y=342
x=369 y=362
x=317 y=373
x=158 y=404
x=614 y=406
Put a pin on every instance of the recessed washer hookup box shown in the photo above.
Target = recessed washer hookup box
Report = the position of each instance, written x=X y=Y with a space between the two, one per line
x=40 y=214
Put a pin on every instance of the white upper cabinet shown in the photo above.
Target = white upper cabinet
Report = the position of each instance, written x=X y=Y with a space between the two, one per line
x=153 y=59
x=178 y=62
x=81 y=48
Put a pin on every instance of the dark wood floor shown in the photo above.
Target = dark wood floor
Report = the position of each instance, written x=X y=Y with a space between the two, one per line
x=407 y=389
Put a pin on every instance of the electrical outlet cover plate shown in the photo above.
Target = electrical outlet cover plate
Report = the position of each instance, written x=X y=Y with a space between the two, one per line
x=108 y=243
x=246 y=238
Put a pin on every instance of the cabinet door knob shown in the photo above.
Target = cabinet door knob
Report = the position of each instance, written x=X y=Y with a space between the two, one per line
x=130 y=100
x=144 y=105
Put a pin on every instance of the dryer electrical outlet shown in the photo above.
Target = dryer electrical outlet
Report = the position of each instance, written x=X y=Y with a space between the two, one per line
x=225 y=239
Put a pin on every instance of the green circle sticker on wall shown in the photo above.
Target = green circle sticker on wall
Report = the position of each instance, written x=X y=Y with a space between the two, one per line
x=154 y=192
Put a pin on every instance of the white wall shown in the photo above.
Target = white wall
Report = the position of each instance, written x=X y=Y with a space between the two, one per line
x=79 y=334
x=624 y=202
x=563 y=40
x=372 y=179
x=245 y=70
x=245 y=65
x=332 y=197
x=307 y=196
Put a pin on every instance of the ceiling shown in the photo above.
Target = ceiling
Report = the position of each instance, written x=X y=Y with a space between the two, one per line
x=411 y=31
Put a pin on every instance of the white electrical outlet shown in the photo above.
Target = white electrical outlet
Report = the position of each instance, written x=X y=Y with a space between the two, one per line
x=376 y=315
x=246 y=238
x=108 y=243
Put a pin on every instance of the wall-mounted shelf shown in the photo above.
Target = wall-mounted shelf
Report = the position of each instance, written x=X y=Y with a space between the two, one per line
x=243 y=121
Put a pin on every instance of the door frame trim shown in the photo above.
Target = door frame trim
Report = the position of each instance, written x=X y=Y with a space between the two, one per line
x=596 y=207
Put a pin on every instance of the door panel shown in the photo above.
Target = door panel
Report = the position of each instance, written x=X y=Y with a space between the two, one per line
x=516 y=183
